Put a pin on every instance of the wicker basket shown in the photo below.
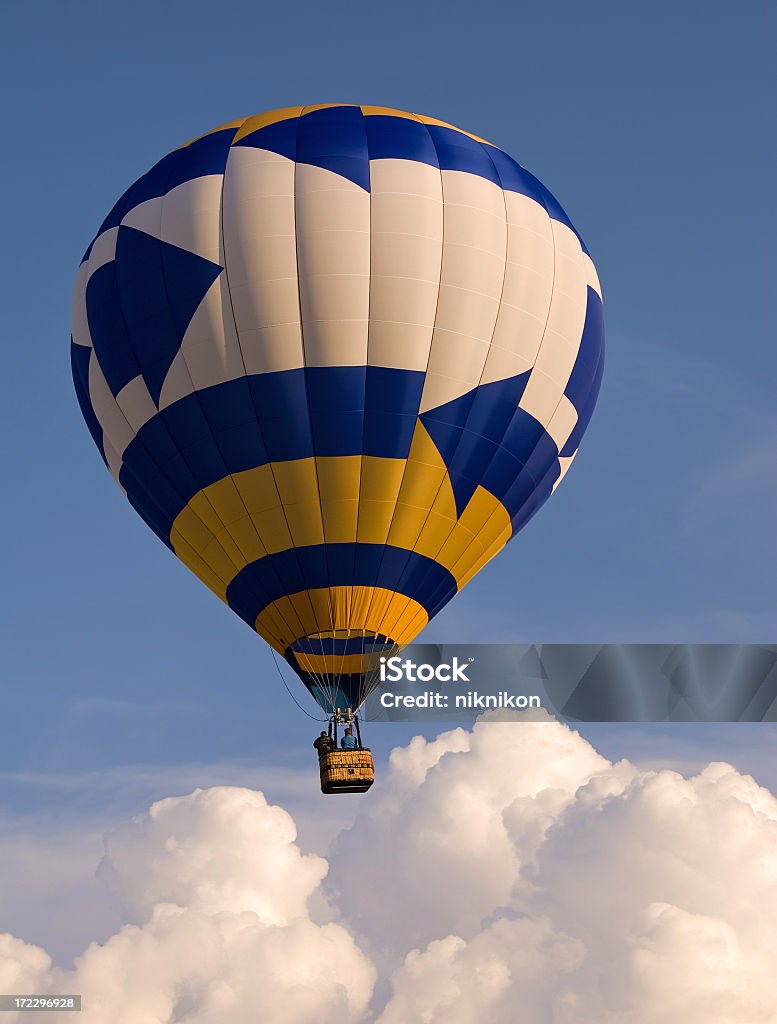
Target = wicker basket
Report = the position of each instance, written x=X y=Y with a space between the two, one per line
x=346 y=771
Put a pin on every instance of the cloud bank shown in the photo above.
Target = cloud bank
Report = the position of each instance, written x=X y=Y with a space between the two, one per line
x=510 y=870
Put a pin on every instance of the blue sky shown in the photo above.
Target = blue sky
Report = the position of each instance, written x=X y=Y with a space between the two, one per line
x=648 y=123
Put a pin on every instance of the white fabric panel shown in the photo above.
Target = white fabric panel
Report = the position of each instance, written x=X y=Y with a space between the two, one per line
x=592 y=278
x=565 y=461
x=406 y=214
x=541 y=397
x=278 y=346
x=79 y=325
x=264 y=303
x=528 y=285
x=178 y=382
x=209 y=354
x=562 y=422
x=567 y=243
x=471 y=279
x=501 y=363
x=136 y=404
x=260 y=254
x=333 y=232
x=566 y=318
x=483 y=197
x=477 y=273
x=188 y=216
x=404 y=178
x=564 y=329
x=558 y=352
x=110 y=417
x=527 y=214
x=146 y=217
x=103 y=250
x=191 y=216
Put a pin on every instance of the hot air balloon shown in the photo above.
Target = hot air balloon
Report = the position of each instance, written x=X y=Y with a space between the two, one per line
x=336 y=357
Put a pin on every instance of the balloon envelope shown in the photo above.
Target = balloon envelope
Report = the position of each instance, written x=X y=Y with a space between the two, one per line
x=336 y=357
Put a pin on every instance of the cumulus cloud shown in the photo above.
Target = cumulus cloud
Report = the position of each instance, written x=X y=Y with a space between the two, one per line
x=500 y=872
x=507 y=968
x=433 y=855
x=23 y=967
x=219 y=850
x=592 y=893
x=216 y=890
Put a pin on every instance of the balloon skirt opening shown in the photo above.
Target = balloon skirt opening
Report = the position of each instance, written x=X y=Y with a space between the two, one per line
x=340 y=668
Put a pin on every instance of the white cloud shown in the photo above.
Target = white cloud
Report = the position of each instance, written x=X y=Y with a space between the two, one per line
x=507 y=871
x=617 y=896
x=22 y=966
x=510 y=964
x=220 y=850
x=217 y=891
x=186 y=965
x=434 y=854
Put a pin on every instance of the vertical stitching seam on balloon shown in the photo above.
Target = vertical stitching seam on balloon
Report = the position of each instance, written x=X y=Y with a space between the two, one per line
x=204 y=491
x=196 y=395
x=428 y=358
x=222 y=240
x=447 y=536
x=222 y=237
x=542 y=340
x=494 y=549
x=361 y=696
x=268 y=563
x=194 y=392
x=348 y=589
x=328 y=689
x=495 y=545
x=601 y=352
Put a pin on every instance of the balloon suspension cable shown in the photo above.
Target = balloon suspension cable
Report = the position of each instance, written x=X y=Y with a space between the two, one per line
x=303 y=710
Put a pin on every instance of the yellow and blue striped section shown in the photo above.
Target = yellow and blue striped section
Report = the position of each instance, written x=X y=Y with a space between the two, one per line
x=339 y=669
x=336 y=357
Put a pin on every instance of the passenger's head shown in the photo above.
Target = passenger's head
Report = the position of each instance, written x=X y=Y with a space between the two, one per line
x=323 y=733
x=348 y=731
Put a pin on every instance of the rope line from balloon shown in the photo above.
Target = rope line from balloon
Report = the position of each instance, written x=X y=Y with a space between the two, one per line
x=280 y=673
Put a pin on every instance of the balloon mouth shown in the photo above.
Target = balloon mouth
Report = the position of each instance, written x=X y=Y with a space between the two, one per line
x=340 y=667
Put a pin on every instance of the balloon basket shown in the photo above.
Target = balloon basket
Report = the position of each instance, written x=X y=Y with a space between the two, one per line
x=346 y=771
